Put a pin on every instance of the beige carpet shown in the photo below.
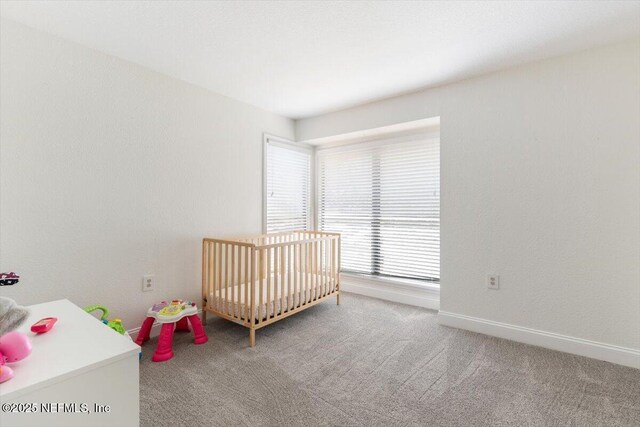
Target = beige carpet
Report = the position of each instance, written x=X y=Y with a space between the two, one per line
x=372 y=363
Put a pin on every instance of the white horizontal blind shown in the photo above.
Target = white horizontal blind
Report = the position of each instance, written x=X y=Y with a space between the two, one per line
x=288 y=188
x=385 y=200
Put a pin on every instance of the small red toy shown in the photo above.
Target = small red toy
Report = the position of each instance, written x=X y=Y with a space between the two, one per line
x=43 y=325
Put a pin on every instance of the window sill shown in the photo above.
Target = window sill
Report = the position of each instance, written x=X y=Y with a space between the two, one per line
x=402 y=291
x=407 y=283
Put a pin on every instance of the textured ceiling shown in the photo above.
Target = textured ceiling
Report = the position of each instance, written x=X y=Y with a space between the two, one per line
x=301 y=59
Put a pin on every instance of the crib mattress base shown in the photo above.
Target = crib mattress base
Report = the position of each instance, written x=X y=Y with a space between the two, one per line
x=231 y=301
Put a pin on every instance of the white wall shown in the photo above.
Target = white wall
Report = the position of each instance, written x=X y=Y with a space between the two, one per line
x=109 y=171
x=540 y=169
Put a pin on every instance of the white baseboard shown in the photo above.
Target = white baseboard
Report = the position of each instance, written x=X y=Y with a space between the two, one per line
x=155 y=331
x=595 y=350
x=410 y=295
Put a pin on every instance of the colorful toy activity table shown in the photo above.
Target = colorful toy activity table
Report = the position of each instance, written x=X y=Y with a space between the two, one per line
x=175 y=315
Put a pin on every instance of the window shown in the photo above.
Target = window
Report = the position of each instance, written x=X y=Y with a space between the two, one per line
x=287 y=186
x=384 y=197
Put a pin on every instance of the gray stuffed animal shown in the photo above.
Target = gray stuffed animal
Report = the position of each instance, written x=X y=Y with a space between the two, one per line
x=12 y=315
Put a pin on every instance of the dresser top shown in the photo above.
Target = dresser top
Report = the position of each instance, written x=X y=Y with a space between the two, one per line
x=77 y=343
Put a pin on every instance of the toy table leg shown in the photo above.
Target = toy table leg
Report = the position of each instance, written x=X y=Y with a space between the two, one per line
x=198 y=330
x=182 y=325
x=145 y=330
x=164 y=351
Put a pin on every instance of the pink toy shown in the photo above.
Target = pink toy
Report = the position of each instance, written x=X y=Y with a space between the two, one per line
x=14 y=347
x=43 y=325
x=172 y=316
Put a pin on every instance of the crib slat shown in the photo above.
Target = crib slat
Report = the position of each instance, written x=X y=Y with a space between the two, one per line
x=325 y=283
x=278 y=285
x=268 y=284
x=310 y=272
x=216 y=273
x=211 y=278
x=300 y=274
x=205 y=278
x=296 y=272
x=223 y=283
x=283 y=273
x=319 y=269
x=327 y=278
x=311 y=275
x=283 y=276
x=261 y=278
x=290 y=255
x=229 y=284
x=325 y=267
x=247 y=251
x=287 y=284
x=305 y=270
x=217 y=280
x=223 y=272
x=333 y=265
x=330 y=265
x=338 y=267
x=252 y=288
x=239 y=284
x=232 y=271
x=301 y=264
x=314 y=269
x=205 y=269
x=276 y=278
x=321 y=272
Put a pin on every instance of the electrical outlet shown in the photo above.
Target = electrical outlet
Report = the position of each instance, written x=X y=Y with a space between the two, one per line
x=493 y=281
x=148 y=283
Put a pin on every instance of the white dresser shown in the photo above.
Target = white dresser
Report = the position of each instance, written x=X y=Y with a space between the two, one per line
x=80 y=373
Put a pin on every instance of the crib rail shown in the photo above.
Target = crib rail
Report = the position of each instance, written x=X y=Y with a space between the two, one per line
x=256 y=281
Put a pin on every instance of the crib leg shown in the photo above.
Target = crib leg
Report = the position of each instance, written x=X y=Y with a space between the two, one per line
x=204 y=315
x=338 y=298
x=252 y=337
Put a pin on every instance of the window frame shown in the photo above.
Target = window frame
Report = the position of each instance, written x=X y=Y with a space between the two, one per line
x=280 y=142
x=428 y=128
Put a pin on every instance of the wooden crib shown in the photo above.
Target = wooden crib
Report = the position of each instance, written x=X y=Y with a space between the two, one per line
x=257 y=281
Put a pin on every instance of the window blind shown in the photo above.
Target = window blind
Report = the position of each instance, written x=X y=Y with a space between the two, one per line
x=288 y=187
x=384 y=197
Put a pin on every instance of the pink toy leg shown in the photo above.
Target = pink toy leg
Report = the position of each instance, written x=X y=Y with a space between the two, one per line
x=182 y=325
x=198 y=330
x=145 y=330
x=164 y=351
